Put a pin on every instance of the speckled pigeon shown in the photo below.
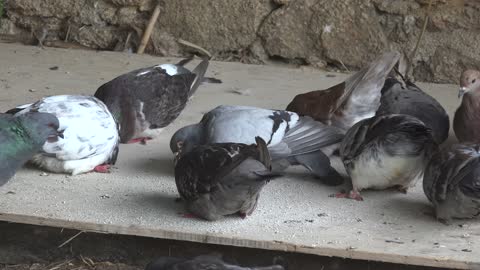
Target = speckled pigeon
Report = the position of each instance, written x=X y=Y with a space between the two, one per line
x=222 y=179
x=146 y=100
x=21 y=137
x=203 y=262
x=90 y=134
x=466 y=122
x=346 y=103
x=386 y=151
x=452 y=182
x=411 y=100
x=291 y=139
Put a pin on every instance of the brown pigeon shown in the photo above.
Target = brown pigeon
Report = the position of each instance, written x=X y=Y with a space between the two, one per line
x=467 y=117
x=355 y=99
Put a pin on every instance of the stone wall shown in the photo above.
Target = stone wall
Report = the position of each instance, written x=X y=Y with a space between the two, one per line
x=313 y=32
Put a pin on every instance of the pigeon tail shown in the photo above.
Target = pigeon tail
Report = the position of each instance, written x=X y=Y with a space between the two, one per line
x=18 y=108
x=305 y=137
x=263 y=153
x=319 y=165
x=199 y=72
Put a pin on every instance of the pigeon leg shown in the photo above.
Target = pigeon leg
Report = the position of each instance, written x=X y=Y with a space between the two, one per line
x=187 y=215
x=142 y=140
x=353 y=194
x=242 y=215
x=104 y=168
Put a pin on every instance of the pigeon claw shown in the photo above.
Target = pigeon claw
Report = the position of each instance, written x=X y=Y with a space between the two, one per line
x=354 y=195
x=142 y=140
x=188 y=215
x=104 y=168
x=242 y=215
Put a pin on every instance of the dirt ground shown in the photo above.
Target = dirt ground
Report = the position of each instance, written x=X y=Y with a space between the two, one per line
x=27 y=247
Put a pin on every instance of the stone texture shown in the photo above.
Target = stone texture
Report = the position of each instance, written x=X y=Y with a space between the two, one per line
x=320 y=33
x=218 y=26
x=337 y=31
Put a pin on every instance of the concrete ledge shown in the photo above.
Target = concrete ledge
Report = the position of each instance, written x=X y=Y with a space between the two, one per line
x=294 y=212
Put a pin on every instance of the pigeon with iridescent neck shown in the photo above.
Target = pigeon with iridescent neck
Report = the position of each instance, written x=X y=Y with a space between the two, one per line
x=23 y=136
x=146 y=100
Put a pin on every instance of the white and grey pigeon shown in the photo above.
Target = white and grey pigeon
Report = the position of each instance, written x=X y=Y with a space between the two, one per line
x=203 y=262
x=146 y=100
x=386 y=151
x=408 y=98
x=452 y=182
x=90 y=134
x=221 y=179
x=21 y=137
x=301 y=140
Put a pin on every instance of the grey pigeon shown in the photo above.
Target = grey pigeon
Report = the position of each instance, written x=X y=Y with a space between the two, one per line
x=466 y=122
x=146 y=100
x=21 y=137
x=204 y=262
x=291 y=139
x=348 y=102
x=398 y=98
x=90 y=134
x=452 y=182
x=386 y=151
x=222 y=179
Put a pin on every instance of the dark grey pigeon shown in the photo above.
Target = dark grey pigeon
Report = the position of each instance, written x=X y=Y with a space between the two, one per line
x=21 y=137
x=452 y=182
x=222 y=179
x=386 y=151
x=204 y=262
x=407 y=98
x=146 y=100
x=291 y=139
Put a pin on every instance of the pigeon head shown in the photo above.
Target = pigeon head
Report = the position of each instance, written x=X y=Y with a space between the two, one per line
x=186 y=138
x=469 y=82
x=41 y=126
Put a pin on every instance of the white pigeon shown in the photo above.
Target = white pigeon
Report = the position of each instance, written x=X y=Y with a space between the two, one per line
x=90 y=134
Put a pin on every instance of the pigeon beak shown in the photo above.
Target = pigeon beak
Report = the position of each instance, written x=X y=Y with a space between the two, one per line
x=462 y=91
x=60 y=134
x=176 y=158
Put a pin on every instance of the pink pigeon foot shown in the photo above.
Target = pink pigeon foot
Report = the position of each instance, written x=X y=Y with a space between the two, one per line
x=104 y=168
x=142 y=140
x=354 y=195
x=242 y=215
x=188 y=215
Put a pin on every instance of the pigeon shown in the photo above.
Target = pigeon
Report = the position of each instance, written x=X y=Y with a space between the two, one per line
x=222 y=179
x=23 y=136
x=452 y=182
x=411 y=100
x=346 y=103
x=467 y=117
x=146 y=100
x=291 y=139
x=203 y=262
x=90 y=133
x=386 y=151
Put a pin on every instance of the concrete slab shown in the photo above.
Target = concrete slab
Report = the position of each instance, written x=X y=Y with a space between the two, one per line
x=294 y=212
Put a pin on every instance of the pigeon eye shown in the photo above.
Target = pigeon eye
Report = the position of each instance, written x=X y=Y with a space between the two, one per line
x=474 y=80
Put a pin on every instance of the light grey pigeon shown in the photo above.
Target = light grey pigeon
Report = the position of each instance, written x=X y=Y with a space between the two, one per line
x=348 y=102
x=222 y=179
x=203 y=262
x=146 y=100
x=452 y=182
x=90 y=134
x=386 y=151
x=466 y=122
x=408 y=98
x=21 y=137
x=291 y=139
